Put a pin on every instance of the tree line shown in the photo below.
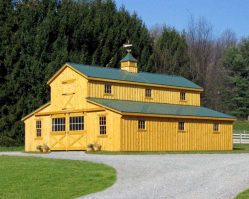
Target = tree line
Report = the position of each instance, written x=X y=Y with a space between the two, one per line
x=38 y=37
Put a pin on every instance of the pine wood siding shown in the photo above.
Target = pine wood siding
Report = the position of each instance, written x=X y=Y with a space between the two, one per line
x=137 y=93
x=162 y=134
x=68 y=91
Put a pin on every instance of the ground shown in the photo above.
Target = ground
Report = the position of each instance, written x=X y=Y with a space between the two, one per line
x=29 y=177
x=199 y=176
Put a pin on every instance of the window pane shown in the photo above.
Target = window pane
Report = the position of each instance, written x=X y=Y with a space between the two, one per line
x=58 y=124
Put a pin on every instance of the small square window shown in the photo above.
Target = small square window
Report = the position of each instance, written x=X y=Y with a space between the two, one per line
x=181 y=126
x=141 y=124
x=216 y=127
x=147 y=92
x=182 y=96
x=108 y=88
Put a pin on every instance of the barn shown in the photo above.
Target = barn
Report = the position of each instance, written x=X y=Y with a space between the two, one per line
x=123 y=109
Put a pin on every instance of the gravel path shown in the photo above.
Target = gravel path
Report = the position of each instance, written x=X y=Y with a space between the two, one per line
x=168 y=176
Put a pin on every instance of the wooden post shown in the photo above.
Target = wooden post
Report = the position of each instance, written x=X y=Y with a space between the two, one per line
x=240 y=135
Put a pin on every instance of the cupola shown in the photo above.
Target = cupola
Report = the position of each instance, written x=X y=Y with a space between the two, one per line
x=129 y=63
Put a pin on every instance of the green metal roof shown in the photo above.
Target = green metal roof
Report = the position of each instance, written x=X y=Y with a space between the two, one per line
x=159 y=109
x=128 y=57
x=141 y=77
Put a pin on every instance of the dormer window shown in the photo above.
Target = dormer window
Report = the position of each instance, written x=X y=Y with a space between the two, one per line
x=147 y=92
x=108 y=89
x=182 y=96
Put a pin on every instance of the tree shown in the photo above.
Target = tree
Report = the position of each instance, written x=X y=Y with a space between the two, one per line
x=38 y=37
x=236 y=92
x=170 y=52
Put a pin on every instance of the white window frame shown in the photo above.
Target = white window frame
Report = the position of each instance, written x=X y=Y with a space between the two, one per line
x=108 y=89
x=182 y=96
x=58 y=124
x=148 y=92
x=216 y=127
x=181 y=126
x=102 y=125
x=141 y=124
x=76 y=123
x=38 y=125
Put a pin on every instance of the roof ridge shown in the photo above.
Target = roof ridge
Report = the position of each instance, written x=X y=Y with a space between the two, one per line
x=107 y=67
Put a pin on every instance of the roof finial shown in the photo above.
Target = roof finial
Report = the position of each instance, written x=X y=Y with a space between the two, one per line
x=128 y=46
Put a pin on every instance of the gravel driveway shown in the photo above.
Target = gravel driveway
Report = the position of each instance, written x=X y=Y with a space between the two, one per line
x=188 y=176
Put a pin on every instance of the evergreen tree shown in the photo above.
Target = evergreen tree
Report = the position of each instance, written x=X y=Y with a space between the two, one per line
x=38 y=37
x=170 y=53
x=235 y=91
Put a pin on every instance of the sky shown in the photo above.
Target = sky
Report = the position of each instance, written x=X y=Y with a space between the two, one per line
x=222 y=14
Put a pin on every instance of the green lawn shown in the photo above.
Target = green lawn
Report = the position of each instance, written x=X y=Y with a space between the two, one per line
x=14 y=148
x=241 y=125
x=243 y=195
x=28 y=177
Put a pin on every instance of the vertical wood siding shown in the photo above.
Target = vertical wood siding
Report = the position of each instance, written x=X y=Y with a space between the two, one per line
x=137 y=93
x=162 y=134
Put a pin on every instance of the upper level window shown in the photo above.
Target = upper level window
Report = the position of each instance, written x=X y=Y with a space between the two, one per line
x=38 y=128
x=102 y=125
x=147 y=92
x=58 y=124
x=141 y=124
x=76 y=123
x=216 y=127
x=108 y=88
x=181 y=126
x=182 y=96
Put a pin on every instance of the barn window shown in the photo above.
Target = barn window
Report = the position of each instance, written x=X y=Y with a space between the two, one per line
x=102 y=125
x=38 y=128
x=181 y=126
x=147 y=92
x=216 y=127
x=182 y=96
x=141 y=124
x=58 y=124
x=108 y=88
x=76 y=123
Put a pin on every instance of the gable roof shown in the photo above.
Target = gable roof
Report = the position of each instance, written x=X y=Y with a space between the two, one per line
x=124 y=106
x=140 y=77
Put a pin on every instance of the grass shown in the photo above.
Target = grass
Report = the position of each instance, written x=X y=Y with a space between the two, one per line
x=237 y=148
x=14 y=148
x=29 y=177
x=243 y=195
x=241 y=125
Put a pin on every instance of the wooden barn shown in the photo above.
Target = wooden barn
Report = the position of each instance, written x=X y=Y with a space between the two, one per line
x=125 y=110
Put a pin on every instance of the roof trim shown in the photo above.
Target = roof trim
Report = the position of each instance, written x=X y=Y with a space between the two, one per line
x=106 y=107
x=162 y=115
x=61 y=70
x=179 y=116
x=35 y=111
x=146 y=84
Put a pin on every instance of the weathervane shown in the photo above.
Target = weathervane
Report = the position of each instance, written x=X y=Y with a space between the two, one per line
x=128 y=46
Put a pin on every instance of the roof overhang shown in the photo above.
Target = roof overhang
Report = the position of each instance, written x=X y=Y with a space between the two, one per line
x=162 y=115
